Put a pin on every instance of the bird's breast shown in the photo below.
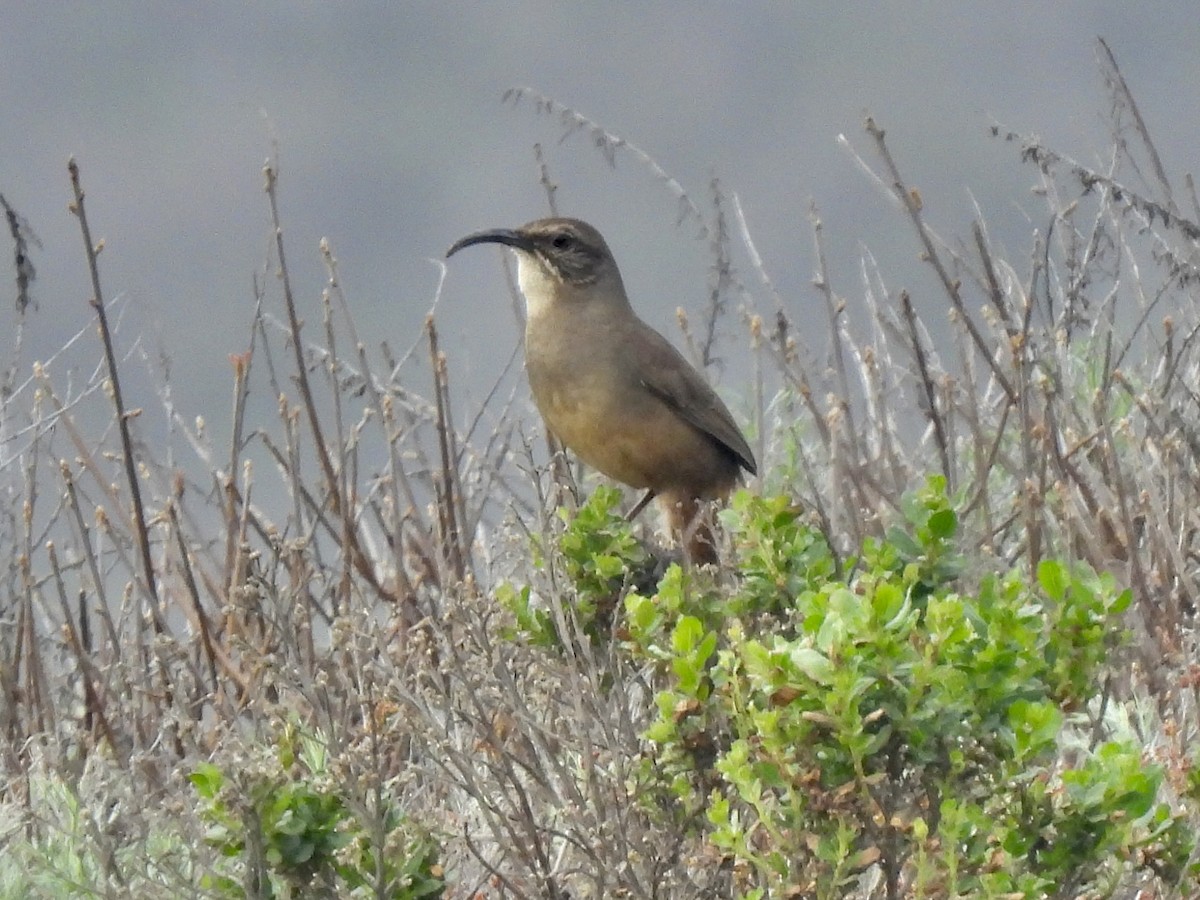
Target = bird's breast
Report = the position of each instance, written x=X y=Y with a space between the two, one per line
x=581 y=402
x=615 y=426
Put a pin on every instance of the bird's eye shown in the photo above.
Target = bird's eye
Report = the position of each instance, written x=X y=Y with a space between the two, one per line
x=562 y=241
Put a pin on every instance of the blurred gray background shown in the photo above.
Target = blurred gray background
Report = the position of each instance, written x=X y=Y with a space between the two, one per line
x=393 y=141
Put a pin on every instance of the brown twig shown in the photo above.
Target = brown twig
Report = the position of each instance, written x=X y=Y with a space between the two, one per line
x=123 y=416
x=359 y=559
x=912 y=206
x=448 y=496
x=1117 y=82
x=931 y=404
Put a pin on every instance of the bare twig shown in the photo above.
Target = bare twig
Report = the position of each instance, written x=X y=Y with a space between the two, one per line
x=122 y=414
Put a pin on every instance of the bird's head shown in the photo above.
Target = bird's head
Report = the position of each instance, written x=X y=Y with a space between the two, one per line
x=559 y=259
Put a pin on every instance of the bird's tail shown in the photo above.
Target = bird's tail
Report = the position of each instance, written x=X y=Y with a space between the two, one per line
x=693 y=522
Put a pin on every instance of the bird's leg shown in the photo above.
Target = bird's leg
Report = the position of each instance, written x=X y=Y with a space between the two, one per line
x=691 y=521
x=641 y=504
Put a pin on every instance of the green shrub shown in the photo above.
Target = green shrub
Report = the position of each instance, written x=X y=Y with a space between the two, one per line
x=285 y=833
x=812 y=726
x=599 y=556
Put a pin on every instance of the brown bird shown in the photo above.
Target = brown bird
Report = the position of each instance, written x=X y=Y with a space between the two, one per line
x=613 y=389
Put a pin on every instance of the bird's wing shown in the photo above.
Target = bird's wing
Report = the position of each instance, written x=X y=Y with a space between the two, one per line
x=671 y=378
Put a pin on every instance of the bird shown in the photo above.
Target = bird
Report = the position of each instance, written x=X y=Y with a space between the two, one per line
x=611 y=388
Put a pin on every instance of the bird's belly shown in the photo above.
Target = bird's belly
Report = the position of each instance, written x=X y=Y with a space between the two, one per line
x=598 y=434
x=641 y=444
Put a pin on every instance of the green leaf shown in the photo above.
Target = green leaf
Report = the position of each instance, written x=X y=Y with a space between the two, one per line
x=1121 y=603
x=1035 y=726
x=640 y=611
x=814 y=664
x=207 y=779
x=688 y=632
x=943 y=523
x=1053 y=577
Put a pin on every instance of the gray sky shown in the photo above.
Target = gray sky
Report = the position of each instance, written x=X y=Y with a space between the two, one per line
x=394 y=142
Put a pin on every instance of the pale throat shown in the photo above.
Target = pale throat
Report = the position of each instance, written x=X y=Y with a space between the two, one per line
x=538 y=285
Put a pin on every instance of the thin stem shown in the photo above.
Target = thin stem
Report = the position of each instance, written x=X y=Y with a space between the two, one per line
x=123 y=416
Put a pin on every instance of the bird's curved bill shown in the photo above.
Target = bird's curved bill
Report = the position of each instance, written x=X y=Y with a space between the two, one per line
x=505 y=236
